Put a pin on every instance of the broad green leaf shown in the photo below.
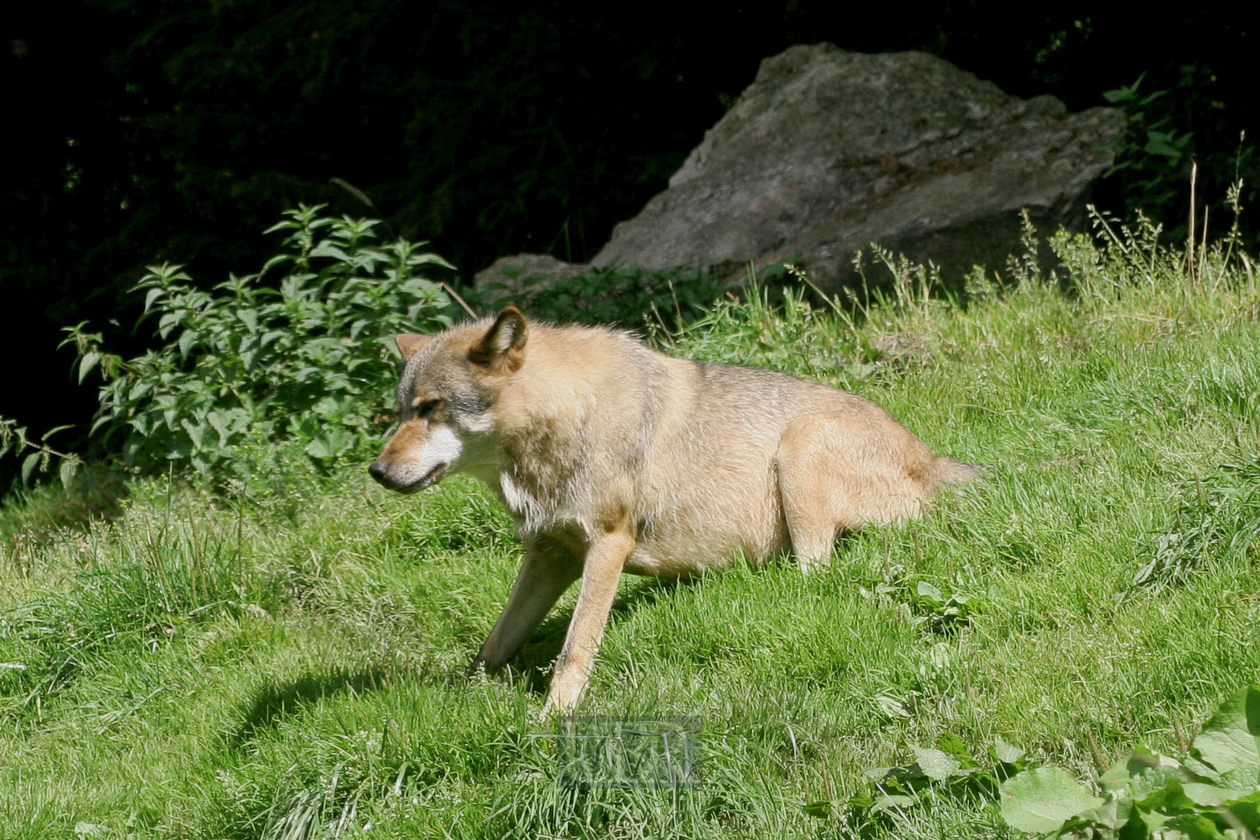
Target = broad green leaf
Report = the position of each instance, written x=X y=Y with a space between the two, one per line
x=1139 y=774
x=936 y=764
x=1193 y=827
x=1247 y=812
x=891 y=706
x=1170 y=798
x=330 y=443
x=1113 y=813
x=1006 y=753
x=1153 y=820
x=1202 y=793
x=1039 y=801
x=1228 y=748
x=930 y=592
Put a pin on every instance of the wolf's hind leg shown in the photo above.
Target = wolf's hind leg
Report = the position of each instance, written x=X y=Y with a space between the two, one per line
x=838 y=472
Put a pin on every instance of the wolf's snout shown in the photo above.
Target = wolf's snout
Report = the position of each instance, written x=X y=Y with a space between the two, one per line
x=378 y=470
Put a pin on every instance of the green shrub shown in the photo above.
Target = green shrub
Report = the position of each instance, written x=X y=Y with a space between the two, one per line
x=303 y=357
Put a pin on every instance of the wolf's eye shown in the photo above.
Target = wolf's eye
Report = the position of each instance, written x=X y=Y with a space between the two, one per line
x=425 y=408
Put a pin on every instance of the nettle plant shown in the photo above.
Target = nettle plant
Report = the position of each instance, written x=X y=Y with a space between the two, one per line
x=303 y=357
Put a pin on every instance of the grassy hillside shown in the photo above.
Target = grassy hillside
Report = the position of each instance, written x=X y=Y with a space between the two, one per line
x=291 y=665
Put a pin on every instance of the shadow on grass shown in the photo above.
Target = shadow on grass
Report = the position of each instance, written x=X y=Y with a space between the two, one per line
x=274 y=702
x=531 y=667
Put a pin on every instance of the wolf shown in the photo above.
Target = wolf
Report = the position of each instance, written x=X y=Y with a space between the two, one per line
x=613 y=458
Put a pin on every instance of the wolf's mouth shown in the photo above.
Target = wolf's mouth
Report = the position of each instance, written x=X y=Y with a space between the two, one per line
x=428 y=479
x=381 y=473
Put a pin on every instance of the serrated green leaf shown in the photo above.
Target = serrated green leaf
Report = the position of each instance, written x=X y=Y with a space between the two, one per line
x=1041 y=800
x=320 y=448
x=196 y=432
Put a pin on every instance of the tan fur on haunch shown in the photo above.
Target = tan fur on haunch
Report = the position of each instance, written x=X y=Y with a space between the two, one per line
x=612 y=457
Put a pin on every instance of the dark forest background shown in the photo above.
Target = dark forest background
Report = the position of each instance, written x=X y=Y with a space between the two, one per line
x=150 y=131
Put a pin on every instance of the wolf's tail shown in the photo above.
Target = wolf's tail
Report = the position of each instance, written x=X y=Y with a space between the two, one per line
x=946 y=472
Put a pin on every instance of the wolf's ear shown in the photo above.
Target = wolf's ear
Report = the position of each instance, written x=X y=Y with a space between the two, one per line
x=503 y=347
x=410 y=343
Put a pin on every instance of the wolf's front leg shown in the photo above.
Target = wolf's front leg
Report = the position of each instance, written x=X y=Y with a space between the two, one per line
x=548 y=570
x=604 y=562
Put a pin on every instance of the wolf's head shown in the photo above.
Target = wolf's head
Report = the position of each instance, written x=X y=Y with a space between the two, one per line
x=446 y=398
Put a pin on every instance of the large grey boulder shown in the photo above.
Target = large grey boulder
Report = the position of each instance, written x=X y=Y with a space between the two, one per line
x=516 y=278
x=828 y=151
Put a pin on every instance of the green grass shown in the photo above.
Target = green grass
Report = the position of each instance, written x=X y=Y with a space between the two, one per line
x=199 y=669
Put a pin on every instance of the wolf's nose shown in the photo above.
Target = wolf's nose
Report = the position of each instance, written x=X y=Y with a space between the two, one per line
x=377 y=470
